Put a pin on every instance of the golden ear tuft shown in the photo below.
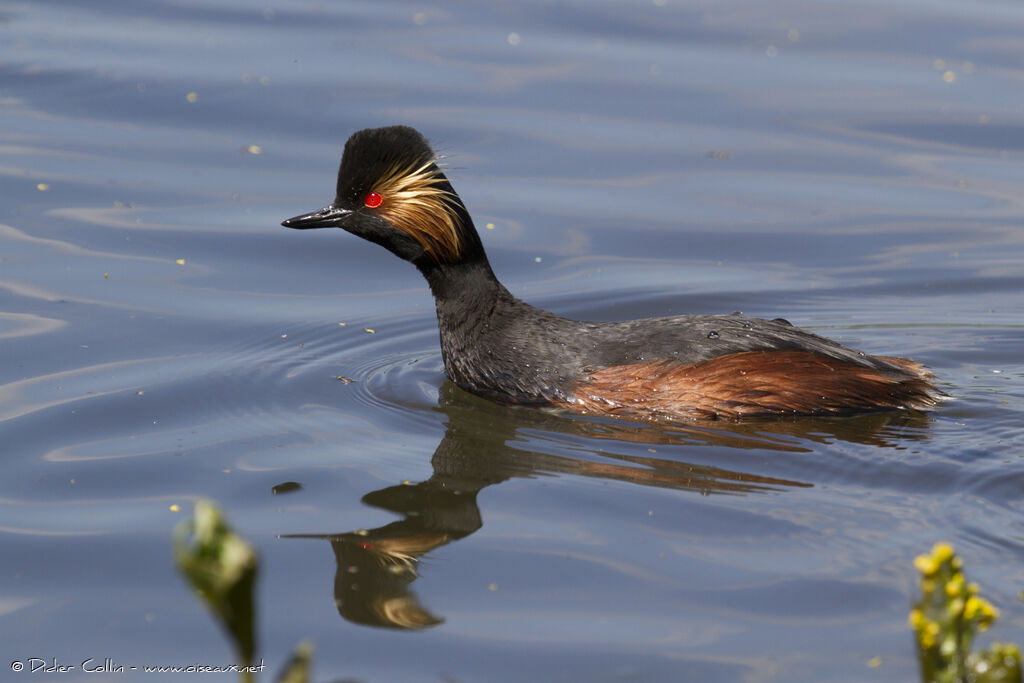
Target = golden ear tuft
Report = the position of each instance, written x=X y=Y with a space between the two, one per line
x=414 y=202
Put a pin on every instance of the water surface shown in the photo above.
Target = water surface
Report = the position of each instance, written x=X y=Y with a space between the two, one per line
x=853 y=168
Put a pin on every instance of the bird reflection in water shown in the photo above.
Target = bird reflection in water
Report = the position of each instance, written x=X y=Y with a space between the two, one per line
x=376 y=567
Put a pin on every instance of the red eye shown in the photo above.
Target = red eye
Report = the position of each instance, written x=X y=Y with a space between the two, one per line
x=372 y=200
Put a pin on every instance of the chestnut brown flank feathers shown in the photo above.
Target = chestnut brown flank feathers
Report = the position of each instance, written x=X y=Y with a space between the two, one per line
x=752 y=383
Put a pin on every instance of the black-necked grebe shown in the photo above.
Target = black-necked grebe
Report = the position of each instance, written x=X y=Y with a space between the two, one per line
x=391 y=191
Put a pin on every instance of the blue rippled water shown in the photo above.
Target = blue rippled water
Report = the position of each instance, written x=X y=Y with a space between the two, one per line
x=854 y=168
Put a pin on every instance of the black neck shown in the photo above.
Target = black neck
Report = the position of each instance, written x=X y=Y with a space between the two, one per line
x=469 y=280
x=464 y=290
x=488 y=335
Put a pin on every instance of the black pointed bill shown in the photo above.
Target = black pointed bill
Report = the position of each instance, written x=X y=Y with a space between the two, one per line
x=328 y=217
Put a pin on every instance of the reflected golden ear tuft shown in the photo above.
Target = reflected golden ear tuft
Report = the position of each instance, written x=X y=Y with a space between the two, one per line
x=414 y=202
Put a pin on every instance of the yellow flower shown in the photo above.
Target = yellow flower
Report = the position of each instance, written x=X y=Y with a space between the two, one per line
x=925 y=565
x=980 y=610
x=927 y=634
x=942 y=552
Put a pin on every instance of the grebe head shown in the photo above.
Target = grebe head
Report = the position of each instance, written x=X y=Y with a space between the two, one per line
x=392 y=192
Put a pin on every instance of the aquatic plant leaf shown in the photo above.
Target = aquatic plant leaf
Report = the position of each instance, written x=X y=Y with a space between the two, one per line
x=221 y=567
x=298 y=667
